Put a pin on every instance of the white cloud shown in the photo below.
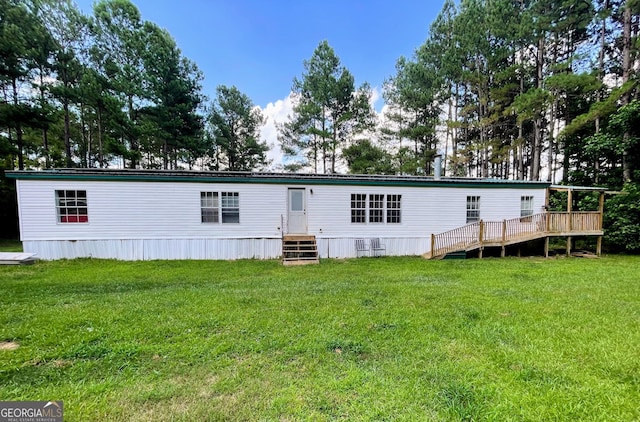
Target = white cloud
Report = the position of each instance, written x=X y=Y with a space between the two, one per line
x=375 y=96
x=382 y=116
x=278 y=112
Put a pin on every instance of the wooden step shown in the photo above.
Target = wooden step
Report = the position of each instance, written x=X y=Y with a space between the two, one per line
x=291 y=262
x=299 y=250
x=298 y=237
x=17 y=258
x=456 y=255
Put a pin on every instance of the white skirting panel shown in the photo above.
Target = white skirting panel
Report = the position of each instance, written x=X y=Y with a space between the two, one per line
x=395 y=246
x=147 y=249
x=263 y=248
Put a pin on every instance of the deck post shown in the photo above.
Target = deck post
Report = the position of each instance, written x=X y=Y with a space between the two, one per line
x=546 y=221
x=569 y=209
x=546 y=247
x=600 y=223
x=547 y=194
x=568 y=245
x=504 y=238
x=433 y=244
x=600 y=210
x=480 y=237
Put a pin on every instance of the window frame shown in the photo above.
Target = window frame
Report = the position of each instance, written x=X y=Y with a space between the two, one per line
x=209 y=207
x=473 y=209
x=526 y=200
x=66 y=204
x=230 y=214
x=526 y=212
x=359 y=208
x=394 y=208
x=217 y=206
x=375 y=208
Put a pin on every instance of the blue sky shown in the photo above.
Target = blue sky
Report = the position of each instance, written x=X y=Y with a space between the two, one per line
x=260 y=46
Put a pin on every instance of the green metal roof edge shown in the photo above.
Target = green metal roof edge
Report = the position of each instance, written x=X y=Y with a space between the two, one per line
x=288 y=180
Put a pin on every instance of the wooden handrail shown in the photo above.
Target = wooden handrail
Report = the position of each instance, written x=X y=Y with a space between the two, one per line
x=456 y=239
x=574 y=222
x=501 y=232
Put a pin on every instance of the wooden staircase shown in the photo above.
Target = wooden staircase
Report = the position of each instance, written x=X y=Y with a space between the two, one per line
x=299 y=250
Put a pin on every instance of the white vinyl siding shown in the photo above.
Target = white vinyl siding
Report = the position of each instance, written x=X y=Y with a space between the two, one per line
x=163 y=220
x=151 y=210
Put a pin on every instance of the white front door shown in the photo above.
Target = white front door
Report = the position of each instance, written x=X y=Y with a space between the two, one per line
x=297 y=219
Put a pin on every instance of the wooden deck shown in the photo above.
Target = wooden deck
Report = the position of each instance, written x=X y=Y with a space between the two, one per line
x=17 y=258
x=516 y=230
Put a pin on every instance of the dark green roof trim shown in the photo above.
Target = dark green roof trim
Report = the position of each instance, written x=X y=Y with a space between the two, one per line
x=268 y=178
x=578 y=188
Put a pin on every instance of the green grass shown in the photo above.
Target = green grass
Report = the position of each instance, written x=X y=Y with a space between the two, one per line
x=366 y=339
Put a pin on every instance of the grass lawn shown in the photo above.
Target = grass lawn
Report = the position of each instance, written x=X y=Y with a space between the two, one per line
x=362 y=339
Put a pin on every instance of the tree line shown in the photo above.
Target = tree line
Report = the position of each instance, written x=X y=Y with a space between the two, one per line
x=520 y=89
x=514 y=89
x=111 y=89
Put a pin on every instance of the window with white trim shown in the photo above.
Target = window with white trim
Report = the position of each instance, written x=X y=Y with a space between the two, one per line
x=473 y=209
x=375 y=208
x=71 y=206
x=220 y=207
x=358 y=208
x=393 y=208
x=209 y=207
x=526 y=206
x=230 y=207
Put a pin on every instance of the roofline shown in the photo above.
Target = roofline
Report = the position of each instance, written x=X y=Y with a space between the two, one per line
x=578 y=188
x=131 y=175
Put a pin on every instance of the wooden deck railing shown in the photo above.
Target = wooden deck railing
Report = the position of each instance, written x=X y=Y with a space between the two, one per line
x=500 y=233
x=580 y=222
x=456 y=239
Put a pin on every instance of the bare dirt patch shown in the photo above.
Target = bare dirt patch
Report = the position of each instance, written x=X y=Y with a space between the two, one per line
x=8 y=345
x=61 y=363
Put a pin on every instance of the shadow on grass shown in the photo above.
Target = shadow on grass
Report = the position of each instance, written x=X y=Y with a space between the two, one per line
x=10 y=245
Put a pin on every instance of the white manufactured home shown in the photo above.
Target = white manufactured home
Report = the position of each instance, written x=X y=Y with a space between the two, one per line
x=150 y=214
